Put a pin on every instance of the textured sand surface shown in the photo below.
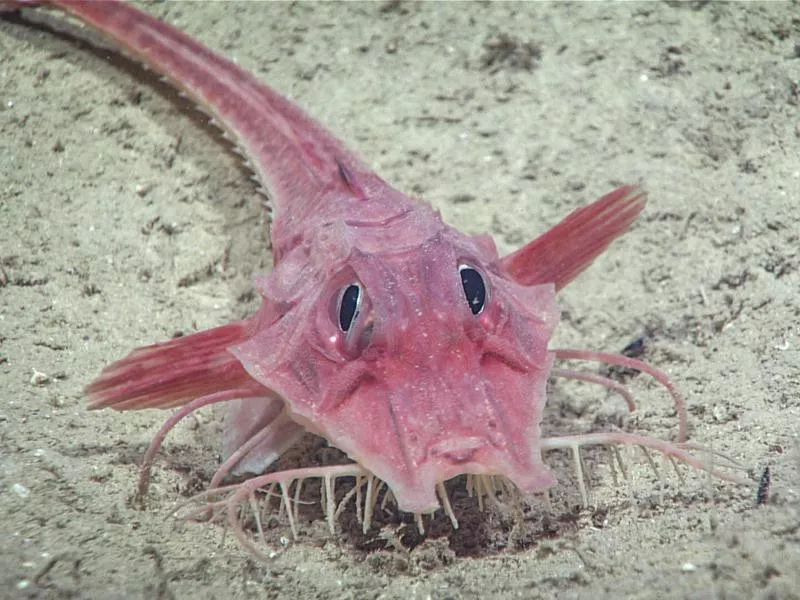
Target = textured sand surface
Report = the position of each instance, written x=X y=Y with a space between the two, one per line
x=124 y=219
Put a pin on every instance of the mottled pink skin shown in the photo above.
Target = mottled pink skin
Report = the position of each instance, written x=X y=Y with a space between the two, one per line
x=420 y=389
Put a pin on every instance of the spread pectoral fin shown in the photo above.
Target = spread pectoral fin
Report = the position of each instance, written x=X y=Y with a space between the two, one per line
x=174 y=373
x=563 y=252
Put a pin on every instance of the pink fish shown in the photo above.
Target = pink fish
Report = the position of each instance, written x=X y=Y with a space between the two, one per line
x=413 y=348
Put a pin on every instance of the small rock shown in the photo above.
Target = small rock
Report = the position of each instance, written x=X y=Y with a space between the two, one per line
x=39 y=378
x=20 y=490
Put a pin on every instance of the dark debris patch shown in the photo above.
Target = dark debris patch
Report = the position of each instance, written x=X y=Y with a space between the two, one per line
x=502 y=51
x=762 y=495
x=636 y=349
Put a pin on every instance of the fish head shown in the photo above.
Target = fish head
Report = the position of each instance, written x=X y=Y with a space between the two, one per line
x=413 y=353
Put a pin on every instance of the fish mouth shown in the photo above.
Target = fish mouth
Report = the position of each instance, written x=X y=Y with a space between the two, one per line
x=421 y=494
x=458 y=451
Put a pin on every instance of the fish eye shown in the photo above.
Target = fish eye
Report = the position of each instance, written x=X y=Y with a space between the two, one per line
x=349 y=305
x=474 y=288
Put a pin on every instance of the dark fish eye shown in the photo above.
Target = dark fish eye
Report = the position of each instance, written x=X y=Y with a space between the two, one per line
x=474 y=288
x=349 y=305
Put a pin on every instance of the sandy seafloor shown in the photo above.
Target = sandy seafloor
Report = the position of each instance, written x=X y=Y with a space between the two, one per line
x=124 y=219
